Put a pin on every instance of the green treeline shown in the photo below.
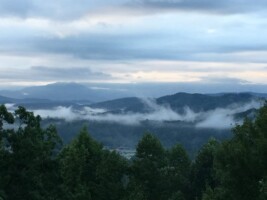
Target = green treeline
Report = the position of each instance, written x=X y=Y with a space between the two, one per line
x=35 y=165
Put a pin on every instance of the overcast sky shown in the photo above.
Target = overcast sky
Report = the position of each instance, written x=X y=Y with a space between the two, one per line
x=133 y=41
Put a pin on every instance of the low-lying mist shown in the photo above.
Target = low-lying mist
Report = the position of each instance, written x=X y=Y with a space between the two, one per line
x=220 y=118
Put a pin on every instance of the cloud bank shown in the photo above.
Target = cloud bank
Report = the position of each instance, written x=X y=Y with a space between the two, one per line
x=220 y=118
x=224 y=118
x=115 y=37
x=68 y=10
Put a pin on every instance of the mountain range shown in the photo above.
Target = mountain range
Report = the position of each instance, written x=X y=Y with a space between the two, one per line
x=177 y=102
x=73 y=94
x=65 y=92
x=119 y=119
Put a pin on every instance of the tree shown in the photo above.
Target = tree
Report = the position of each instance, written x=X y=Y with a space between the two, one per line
x=241 y=162
x=78 y=162
x=89 y=172
x=5 y=117
x=203 y=172
x=29 y=165
x=177 y=172
x=111 y=175
x=148 y=167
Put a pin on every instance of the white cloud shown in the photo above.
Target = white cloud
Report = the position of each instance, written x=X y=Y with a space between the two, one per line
x=117 y=38
x=220 y=118
x=224 y=117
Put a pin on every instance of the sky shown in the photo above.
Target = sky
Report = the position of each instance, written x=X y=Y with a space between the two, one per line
x=133 y=41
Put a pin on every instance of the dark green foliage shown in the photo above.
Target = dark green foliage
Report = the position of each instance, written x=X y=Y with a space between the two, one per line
x=169 y=133
x=177 y=196
x=148 y=167
x=157 y=173
x=111 y=176
x=177 y=173
x=34 y=166
x=5 y=116
x=28 y=167
x=203 y=172
x=88 y=171
x=208 y=194
x=78 y=163
x=241 y=162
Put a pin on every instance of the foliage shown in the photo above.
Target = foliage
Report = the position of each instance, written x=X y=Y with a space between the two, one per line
x=35 y=166
x=147 y=167
x=203 y=172
x=89 y=171
x=28 y=166
x=158 y=173
x=241 y=161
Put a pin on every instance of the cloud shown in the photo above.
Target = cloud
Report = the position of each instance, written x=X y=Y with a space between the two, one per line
x=118 y=35
x=60 y=9
x=60 y=112
x=206 y=6
x=158 y=113
x=117 y=46
x=183 y=39
x=69 y=73
x=224 y=80
x=69 y=10
x=16 y=8
x=150 y=45
x=43 y=73
x=220 y=118
x=10 y=106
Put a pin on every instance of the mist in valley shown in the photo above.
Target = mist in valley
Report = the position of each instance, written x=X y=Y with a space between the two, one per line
x=219 y=118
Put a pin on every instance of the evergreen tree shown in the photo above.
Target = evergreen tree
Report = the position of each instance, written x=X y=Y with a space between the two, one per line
x=78 y=162
x=241 y=162
x=148 y=168
x=89 y=172
x=203 y=172
x=29 y=167
x=177 y=173
x=111 y=176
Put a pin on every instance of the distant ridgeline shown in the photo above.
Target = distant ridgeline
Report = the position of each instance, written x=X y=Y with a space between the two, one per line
x=36 y=165
x=188 y=119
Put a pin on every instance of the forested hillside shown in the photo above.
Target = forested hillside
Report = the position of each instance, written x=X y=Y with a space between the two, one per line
x=35 y=165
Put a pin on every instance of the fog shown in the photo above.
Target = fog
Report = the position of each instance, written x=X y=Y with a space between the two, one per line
x=220 y=118
x=224 y=117
x=159 y=114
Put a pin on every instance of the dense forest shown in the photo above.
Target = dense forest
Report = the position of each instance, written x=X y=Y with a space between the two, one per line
x=35 y=165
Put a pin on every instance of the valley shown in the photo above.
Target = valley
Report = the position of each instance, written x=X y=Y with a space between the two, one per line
x=188 y=119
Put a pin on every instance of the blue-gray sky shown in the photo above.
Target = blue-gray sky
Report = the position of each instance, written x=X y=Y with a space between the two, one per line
x=132 y=41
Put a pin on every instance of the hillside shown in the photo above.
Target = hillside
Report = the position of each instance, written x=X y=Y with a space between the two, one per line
x=177 y=102
x=202 y=102
x=64 y=92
